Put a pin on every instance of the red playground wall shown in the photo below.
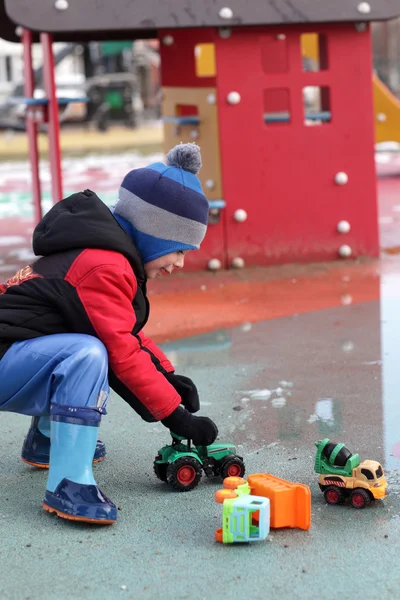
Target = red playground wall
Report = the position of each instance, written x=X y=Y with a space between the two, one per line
x=282 y=172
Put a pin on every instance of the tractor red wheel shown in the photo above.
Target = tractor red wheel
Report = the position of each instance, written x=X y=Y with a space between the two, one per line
x=234 y=470
x=333 y=495
x=232 y=467
x=184 y=474
x=360 y=498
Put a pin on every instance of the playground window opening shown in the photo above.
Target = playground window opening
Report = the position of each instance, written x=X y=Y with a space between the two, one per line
x=274 y=53
x=314 y=50
x=204 y=58
x=317 y=105
x=277 y=106
x=186 y=110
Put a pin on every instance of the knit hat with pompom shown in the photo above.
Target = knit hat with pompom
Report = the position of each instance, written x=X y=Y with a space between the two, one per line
x=162 y=207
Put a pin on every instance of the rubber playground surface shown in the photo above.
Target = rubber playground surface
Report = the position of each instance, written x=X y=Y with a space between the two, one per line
x=282 y=357
x=273 y=388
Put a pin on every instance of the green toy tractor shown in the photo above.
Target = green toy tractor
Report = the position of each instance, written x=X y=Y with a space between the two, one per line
x=181 y=464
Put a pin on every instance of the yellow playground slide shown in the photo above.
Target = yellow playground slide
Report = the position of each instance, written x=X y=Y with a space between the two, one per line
x=387 y=113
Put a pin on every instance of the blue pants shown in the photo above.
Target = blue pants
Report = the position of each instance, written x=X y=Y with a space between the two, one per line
x=62 y=375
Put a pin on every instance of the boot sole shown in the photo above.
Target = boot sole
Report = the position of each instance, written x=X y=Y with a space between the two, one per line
x=73 y=518
x=46 y=465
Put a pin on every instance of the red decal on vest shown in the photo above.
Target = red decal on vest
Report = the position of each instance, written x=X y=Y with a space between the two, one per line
x=23 y=275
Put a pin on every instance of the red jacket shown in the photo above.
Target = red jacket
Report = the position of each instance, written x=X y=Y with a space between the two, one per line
x=90 y=279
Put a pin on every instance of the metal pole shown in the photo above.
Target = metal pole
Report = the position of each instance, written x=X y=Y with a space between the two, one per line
x=31 y=125
x=53 y=123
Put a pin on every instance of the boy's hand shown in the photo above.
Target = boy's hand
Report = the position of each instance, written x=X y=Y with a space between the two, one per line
x=186 y=389
x=201 y=430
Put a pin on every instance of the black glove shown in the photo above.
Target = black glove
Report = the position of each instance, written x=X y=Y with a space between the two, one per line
x=186 y=389
x=201 y=430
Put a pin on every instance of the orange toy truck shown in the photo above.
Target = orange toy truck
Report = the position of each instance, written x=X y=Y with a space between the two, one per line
x=290 y=503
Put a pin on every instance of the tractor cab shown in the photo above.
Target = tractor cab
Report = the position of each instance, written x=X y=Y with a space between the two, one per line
x=178 y=440
x=238 y=522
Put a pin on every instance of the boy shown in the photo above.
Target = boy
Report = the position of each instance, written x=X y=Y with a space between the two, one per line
x=71 y=324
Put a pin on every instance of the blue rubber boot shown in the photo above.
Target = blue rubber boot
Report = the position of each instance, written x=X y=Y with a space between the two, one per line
x=72 y=492
x=36 y=447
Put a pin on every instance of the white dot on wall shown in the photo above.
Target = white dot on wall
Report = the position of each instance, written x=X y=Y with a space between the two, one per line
x=240 y=215
x=214 y=264
x=233 y=98
x=237 y=262
x=381 y=117
x=343 y=227
x=226 y=13
x=341 y=178
x=364 y=8
x=346 y=299
x=345 y=251
x=210 y=184
x=281 y=36
x=211 y=98
x=61 y=4
x=194 y=134
x=168 y=40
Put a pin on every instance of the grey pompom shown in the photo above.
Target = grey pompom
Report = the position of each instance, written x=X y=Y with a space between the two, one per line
x=186 y=157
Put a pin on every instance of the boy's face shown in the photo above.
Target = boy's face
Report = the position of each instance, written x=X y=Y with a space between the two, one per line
x=165 y=264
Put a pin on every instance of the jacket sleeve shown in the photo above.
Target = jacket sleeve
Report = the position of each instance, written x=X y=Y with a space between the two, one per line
x=156 y=352
x=106 y=293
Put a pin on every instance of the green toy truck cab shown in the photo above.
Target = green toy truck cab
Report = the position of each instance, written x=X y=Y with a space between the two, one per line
x=181 y=464
x=342 y=475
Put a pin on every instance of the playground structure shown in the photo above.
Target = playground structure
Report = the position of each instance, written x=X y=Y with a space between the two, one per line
x=288 y=178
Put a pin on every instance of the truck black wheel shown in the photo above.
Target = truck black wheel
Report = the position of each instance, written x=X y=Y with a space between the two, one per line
x=184 y=474
x=160 y=469
x=333 y=494
x=232 y=467
x=360 y=498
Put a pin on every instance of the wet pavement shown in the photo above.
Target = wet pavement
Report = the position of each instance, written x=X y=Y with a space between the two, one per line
x=286 y=356
x=273 y=387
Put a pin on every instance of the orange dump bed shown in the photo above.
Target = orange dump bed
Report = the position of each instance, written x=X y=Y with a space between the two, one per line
x=290 y=503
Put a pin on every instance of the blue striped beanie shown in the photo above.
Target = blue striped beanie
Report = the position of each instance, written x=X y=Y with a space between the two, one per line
x=163 y=207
